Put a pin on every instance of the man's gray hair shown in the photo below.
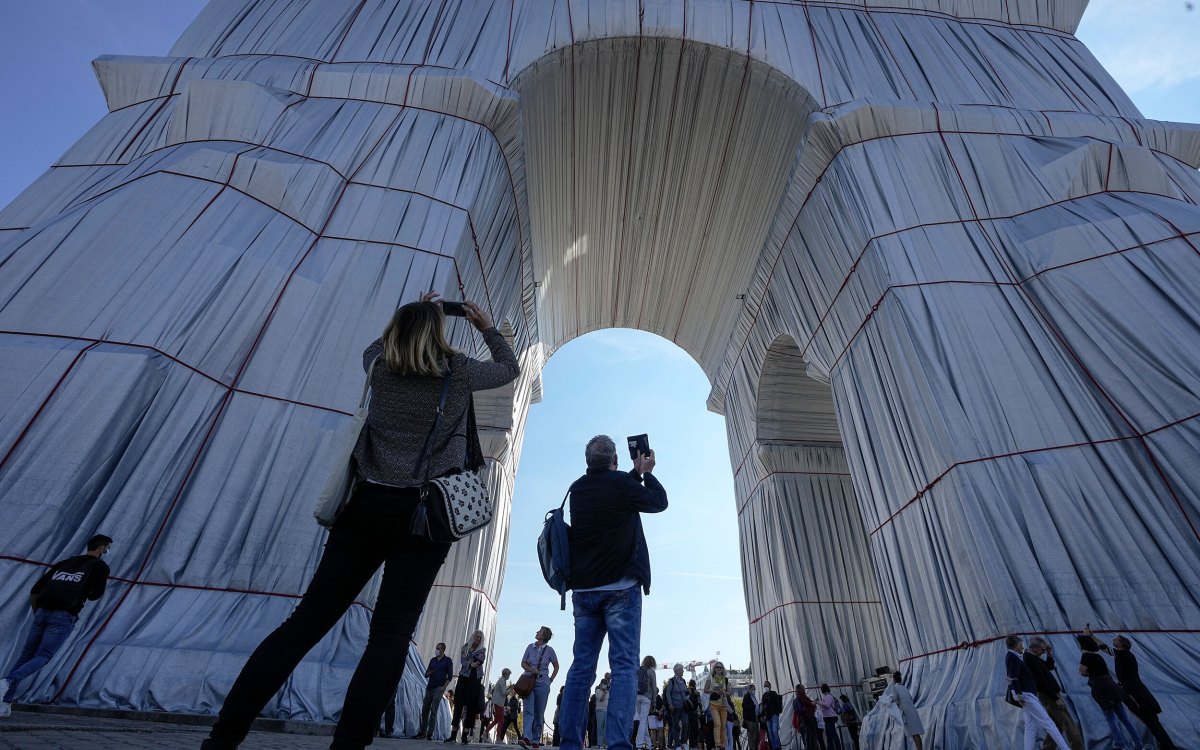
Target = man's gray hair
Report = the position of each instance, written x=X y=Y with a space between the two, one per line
x=600 y=452
x=1037 y=640
x=1013 y=640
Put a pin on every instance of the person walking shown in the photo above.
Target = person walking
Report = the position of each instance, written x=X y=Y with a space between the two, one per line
x=1106 y=692
x=602 y=691
x=539 y=657
x=901 y=707
x=850 y=719
x=804 y=719
x=499 y=691
x=468 y=691
x=830 y=710
x=57 y=598
x=1024 y=691
x=512 y=716
x=557 y=709
x=610 y=572
x=677 y=698
x=717 y=688
x=750 y=717
x=772 y=709
x=1039 y=658
x=409 y=367
x=1141 y=701
x=646 y=690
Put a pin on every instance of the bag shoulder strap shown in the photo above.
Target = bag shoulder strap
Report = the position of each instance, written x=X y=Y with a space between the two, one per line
x=362 y=401
x=437 y=421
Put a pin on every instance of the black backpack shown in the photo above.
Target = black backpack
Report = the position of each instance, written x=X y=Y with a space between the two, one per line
x=554 y=551
x=65 y=586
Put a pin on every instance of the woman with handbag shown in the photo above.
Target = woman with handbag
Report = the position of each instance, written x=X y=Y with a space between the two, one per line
x=534 y=685
x=717 y=687
x=469 y=688
x=404 y=441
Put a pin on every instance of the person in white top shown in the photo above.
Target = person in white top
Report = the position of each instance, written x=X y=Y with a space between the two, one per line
x=830 y=708
x=898 y=703
x=498 y=700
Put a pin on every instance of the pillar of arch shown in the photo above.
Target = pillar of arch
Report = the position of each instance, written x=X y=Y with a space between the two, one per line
x=949 y=208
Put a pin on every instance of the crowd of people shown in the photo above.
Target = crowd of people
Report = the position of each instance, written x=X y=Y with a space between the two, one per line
x=1034 y=689
x=677 y=715
x=420 y=423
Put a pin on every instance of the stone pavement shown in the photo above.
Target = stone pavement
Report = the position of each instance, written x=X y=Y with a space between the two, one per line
x=43 y=730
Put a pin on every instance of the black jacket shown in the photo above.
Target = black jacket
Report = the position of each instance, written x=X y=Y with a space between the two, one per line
x=750 y=708
x=1131 y=680
x=1042 y=676
x=607 y=541
x=1019 y=677
x=772 y=705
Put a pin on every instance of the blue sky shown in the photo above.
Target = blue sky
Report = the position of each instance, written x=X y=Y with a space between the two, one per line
x=619 y=382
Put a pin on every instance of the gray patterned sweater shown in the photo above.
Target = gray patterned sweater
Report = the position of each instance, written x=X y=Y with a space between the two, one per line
x=403 y=408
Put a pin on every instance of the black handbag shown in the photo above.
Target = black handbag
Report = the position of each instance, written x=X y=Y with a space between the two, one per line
x=454 y=505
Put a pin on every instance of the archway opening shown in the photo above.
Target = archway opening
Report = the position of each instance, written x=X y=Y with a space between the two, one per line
x=623 y=382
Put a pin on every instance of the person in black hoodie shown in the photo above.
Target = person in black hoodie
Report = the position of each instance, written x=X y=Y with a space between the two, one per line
x=610 y=571
x=57 y=599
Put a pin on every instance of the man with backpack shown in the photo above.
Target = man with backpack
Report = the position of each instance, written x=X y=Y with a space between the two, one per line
x=57 y=598
x=610 y=570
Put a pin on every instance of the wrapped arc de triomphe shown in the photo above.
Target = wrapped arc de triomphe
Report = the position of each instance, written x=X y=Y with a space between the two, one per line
x=942 y=275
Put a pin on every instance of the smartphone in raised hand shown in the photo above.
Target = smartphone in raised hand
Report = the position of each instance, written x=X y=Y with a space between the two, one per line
x=454 y=309
x=638 y=444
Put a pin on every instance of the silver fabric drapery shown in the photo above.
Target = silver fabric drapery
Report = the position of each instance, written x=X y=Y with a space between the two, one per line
x=939 y=270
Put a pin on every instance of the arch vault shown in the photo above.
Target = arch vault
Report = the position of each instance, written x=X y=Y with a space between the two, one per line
x=941 y=274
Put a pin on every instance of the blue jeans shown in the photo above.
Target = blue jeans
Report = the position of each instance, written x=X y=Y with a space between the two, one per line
x=617 y=614
x=1115 y=715
x=535 y=711
x=46 y=636
x=773 y=733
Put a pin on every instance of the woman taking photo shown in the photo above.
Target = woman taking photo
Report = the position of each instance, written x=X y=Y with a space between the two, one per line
x=411 y=359
x=717 y=687
x=1106 y=692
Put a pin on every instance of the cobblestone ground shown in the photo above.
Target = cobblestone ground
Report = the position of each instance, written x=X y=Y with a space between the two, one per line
x=29 y=731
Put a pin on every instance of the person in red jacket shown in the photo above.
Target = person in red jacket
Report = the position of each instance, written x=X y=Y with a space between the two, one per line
x=804 y=719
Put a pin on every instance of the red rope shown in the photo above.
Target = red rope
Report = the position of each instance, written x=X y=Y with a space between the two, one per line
x=992 y=639
x=760 y=303
x=45 y=402
x=750 y=496
x=870 y=602
x=178 y=361
x=187 y=586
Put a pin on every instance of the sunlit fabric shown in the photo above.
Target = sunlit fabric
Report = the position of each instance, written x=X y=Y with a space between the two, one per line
x=939 y=271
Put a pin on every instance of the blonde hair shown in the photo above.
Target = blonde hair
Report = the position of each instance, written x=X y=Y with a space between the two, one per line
x=414 y=342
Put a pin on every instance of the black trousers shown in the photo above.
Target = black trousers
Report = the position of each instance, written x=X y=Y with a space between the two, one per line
x=372 y=531
x=467 y=693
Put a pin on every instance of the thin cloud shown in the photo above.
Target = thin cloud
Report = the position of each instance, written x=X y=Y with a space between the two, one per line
x=706 y=576
x=1143 y=45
